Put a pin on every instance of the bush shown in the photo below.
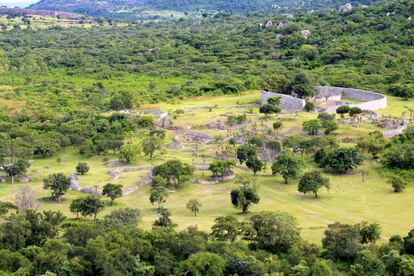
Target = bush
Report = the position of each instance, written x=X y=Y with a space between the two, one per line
x=82 y=168
x=398 y=184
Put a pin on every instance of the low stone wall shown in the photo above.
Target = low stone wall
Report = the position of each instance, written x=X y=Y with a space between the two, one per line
x=370 y=100
x=287 y=103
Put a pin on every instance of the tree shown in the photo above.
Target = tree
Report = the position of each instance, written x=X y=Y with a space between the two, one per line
x=312 y=127
x=342 y=110
x=276 y=126
x=226 y=228
x=275 y=232
x=129 y=152
x=221 y=167
x=374 y=144
x=274 y=100
x=164 y=219
x=82 y=168
x=87 y=206
x=26 y=199
x=245 y=195
x=302 y=86
x=355 y=111
x=398 y=184
x=370 y=232
x=175 y=172
x=309 y=106
x=246 y=151
x=158 y=193
x=342 y=241
x=329 y=126
x=112 y=191
x=312 y=182
x=321 y=268
x=400 y=156
x=76 y=207
x=193 y=206
x=13 y=156
x=125 y=216
x=367 y=264
x=408 y=243
x=255 y=165
x=269 y=109
x=150 y=145
x=288 y=165
x=342 y=160
x=204 y=263
x=58 y=183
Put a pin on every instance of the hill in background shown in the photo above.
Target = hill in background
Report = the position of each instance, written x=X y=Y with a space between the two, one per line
x=117 y=8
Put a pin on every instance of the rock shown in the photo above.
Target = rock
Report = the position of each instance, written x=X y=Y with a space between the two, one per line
x=3 y=179
x=345 y=8
x=23 y=179
x=115 y=163
x=269 y=24
x=46 y=167
x=305 y=33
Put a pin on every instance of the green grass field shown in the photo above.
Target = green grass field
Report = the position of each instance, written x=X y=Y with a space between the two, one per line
x=350 y=200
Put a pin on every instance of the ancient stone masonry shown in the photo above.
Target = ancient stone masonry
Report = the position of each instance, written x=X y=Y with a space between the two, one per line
x=335 y=95
x=369 y=100
x=287 y=102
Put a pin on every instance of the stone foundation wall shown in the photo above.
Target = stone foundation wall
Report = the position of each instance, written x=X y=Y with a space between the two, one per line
x=287 y=103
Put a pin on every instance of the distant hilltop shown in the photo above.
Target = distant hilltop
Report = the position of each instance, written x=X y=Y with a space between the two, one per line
x=117 y=7
x=22 y=11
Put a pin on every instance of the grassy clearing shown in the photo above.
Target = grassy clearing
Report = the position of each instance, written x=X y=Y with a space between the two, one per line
x=350 y=200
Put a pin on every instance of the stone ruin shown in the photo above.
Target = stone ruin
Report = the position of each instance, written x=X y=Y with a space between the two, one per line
x=195 y=137
x=334 y=97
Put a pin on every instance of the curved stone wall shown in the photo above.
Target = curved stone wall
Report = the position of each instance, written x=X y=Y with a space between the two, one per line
x=370 y=100
x=287 y=103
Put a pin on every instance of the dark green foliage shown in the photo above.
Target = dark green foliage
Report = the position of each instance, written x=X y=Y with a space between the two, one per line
x=302 y=86
x=112 y=191
x=342 y=110
x=312 y=127
x=226 y=228
x=221 y=167
x=58 y=183
x=82 y=168
x=400 y=156
x=309 y=106
x=342 y=160
x=254 y=164
x=398 y=184
x=312 y=182
x=87 y=206
x=269 y=109
x=275 y=232
x=370 y=232
x=175 y=172
x=244 y=152
x=342 y=241
x=288 y=165
x=125 y=217
x=245 y=195
x=354 y=111
x=374 y=143
x=163 y=219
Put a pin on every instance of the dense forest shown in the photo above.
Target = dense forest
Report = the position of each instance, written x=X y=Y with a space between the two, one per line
x=366 y=48
x=110 y=8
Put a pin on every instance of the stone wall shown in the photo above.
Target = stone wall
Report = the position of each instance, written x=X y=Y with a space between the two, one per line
x=287 y=103
x=370 y=100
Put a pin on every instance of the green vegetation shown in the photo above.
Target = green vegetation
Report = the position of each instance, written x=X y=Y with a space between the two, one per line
x=150 y=139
